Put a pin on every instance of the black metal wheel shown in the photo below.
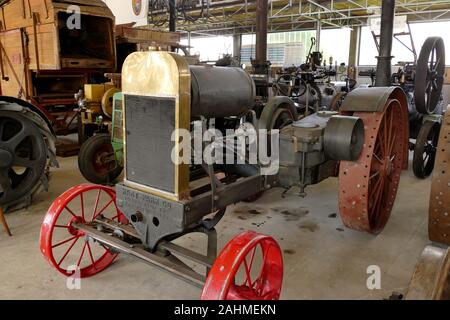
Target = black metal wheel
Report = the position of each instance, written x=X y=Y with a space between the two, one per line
x=425 y=149
x=23 y=157
x=429 y=78
x=97 y=162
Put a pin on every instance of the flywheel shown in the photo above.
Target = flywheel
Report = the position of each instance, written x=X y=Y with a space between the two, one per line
x=368 y=187
x=429 y=78
x=27 y=150
x=439 y=212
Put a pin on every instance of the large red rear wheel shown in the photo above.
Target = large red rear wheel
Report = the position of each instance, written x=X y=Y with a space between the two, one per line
x=67 y=249
x=250 y=267
x=368 y=187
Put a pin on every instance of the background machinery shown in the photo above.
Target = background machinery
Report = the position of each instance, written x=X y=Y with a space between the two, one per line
x=162 y=199
x=422 y=80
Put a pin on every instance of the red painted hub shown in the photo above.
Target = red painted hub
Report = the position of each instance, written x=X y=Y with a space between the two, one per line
x=250 y=267
x=368 y=187
x=63 y=245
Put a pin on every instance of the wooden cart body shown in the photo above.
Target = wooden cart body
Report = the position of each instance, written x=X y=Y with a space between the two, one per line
x=45 y=61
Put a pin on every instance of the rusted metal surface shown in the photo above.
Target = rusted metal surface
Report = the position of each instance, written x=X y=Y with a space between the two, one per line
x=368 y=187
x=439 y=214
x=431 y=279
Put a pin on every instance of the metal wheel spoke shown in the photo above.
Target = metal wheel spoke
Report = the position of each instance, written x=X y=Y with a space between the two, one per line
x=5 y=182
x=18 y=138
x=96 y=204
x=25 y=163
x=82 y=254
x=248 y=279
x=82 y=207
x=90 y=254
x=103 y=210
x=70 y=211
x=64 y=242
x=67 y=252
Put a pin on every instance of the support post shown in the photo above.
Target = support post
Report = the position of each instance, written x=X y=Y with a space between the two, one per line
x=355 y=37
x=261 y=31
x=318 y=33
x=237 y=45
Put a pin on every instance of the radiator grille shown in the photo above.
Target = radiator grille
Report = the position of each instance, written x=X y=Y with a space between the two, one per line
x=150 y=122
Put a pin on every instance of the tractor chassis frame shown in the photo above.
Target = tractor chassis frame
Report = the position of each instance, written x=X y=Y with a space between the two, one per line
x=120 y=238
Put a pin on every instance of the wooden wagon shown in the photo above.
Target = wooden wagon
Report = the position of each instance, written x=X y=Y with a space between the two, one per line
x=44 y=60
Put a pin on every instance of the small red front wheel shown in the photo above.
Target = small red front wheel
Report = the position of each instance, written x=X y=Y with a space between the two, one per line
x=65 y=247
x=250 y=267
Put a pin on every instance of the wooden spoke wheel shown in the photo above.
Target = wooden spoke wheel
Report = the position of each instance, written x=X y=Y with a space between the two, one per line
x=368 y=187
x=250 y=267
x=67 y=249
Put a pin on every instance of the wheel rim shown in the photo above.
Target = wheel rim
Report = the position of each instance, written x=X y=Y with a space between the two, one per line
x=425 y=150
x=237 y=275
x=24 y=156
x=64 y=246
x=430 y=75
x=369 y=187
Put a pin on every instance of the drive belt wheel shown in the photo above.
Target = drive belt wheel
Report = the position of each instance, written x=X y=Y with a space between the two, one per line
x=97 y=162
x=425 y=149
x=431 y=279
x=439 y=212
x=429 y=78
x=368 y=187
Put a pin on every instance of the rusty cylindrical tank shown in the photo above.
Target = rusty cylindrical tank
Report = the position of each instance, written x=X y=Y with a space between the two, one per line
x=218 y=92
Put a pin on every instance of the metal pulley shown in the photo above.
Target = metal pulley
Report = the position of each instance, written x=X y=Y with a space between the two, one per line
x=344 y=138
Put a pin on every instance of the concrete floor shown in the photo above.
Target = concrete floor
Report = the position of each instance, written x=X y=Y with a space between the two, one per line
x=323 y=259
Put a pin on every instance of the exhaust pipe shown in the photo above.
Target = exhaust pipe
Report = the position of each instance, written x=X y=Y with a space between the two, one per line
x=384 y=67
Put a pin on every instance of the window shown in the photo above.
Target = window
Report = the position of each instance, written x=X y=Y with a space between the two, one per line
x=335 y=43
x=210 y=48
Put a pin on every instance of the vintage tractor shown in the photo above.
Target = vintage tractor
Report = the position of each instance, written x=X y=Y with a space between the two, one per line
x=162 y=198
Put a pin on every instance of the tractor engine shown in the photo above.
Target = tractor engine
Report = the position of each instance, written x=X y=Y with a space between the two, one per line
x=311 y=148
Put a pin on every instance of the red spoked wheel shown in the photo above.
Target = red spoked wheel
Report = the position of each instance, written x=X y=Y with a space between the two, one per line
x=250 y=267
x=368 y=187
x=68 y=249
